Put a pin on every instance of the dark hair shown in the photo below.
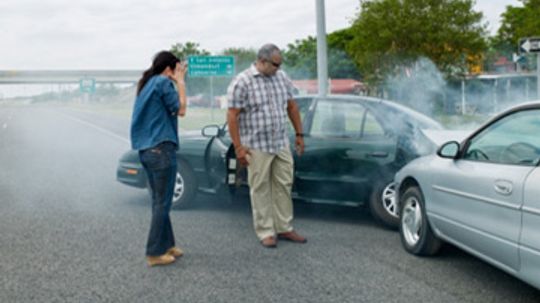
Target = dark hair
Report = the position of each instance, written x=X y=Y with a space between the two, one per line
x=161 y=61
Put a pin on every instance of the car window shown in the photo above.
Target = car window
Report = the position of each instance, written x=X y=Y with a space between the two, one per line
x=514 y=139
x=372 y=127
x=337 y=119
x=303 y=107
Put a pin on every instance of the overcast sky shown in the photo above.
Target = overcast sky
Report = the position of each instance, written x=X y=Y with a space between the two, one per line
x=122 y=34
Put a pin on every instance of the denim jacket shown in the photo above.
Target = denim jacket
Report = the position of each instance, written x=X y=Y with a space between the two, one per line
x=155 y=112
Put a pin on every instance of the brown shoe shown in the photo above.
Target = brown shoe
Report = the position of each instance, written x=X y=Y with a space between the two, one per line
x=176 y=252
x=159 y=260
x=292 y=236
x=269 y=242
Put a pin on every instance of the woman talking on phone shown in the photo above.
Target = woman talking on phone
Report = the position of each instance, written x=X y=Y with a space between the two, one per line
x=161 y=98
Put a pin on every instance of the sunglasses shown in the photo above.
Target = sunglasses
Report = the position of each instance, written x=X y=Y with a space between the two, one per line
x=276 y=65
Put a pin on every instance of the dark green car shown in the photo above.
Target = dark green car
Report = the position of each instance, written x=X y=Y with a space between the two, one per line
x=353 y=147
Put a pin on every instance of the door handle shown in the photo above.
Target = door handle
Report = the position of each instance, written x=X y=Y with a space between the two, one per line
x=379 y=154
x=503 y=187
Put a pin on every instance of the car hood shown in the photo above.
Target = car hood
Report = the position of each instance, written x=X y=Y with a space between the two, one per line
x=191 y=136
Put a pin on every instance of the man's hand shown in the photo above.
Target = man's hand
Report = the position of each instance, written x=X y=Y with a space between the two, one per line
x=242 y=155
x=299 y=145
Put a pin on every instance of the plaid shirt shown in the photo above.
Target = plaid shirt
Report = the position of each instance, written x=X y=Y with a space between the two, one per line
x=263 y=100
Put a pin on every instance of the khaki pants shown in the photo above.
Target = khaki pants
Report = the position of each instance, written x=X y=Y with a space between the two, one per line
x=270 y=178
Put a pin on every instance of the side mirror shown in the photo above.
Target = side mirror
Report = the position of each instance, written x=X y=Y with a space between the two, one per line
x=211 y=131
x=448 y=150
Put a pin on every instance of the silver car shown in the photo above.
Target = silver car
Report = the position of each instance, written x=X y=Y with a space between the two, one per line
x=482 y=195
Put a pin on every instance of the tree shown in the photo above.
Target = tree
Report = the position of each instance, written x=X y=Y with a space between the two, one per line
x=194 y=86
x=300 y=58
x=243 y=57
x=517 y=23
x=182 y=51
x=520 y=22
x=390 y=35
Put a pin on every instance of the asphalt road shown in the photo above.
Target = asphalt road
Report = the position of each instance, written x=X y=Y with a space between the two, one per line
x=69 y=232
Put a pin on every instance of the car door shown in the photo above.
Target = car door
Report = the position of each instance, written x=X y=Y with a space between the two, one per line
x=215 y=157
x=345 y=147
x=477 y=198
x=529 y=244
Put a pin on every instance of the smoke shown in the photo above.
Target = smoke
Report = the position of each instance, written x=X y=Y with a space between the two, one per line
x=419 y=85
x=458 y=103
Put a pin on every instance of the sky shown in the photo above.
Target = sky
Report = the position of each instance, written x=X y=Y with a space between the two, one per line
x=122 y=34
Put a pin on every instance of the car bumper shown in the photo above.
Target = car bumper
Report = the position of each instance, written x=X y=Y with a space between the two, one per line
x=131 y=174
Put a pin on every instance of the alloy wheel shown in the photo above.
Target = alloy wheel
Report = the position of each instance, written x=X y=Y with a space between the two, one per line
x=388 y=198
x=178 y=187
x=411 y=221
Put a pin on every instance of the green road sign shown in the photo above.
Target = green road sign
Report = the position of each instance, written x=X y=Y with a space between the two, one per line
x=87 y=85
x=210 y=66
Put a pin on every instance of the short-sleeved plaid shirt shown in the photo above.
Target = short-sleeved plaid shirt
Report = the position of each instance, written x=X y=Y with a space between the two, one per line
x=263 y=100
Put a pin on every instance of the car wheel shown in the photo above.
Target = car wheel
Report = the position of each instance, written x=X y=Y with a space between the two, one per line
x=185 y=186
x=382 y=204
x=415 y=232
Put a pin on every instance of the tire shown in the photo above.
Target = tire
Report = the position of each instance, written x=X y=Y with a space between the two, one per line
x=382 y=204
x=416 y=234
x=185 y=186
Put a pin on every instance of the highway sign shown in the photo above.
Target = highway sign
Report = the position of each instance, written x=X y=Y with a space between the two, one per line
x=210 y=66
x=87 y=85
x=529 y=45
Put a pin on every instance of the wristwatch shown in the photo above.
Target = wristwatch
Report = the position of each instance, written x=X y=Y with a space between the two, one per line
x=299 y=134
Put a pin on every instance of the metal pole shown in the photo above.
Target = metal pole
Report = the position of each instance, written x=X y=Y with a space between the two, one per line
x=495 y=99
x=212 y=98
x=322 y=60
x=538 y=76
x=463 y=97
x=526 y=89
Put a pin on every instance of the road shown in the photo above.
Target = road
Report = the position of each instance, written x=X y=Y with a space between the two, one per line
x=71 y=233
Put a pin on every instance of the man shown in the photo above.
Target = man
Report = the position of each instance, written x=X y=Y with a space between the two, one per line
x=260 y=98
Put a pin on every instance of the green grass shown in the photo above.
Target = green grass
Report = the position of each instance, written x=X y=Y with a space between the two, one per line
x=198 y=117
x=462 y=122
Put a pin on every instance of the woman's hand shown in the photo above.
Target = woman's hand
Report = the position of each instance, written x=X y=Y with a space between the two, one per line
x=180 y=73
x=178 y=76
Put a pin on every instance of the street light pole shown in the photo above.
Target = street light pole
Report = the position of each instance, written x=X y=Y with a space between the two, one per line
x=322 y=61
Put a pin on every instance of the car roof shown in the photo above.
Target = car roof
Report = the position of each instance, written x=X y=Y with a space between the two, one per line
x=422 y=119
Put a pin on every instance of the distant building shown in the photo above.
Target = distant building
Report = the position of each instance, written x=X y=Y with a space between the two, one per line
x=336 y=86
x=503 y=65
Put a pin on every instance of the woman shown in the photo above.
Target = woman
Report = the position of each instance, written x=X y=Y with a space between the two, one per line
x=160 y=99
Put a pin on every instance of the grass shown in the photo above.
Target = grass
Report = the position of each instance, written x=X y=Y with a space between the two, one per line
x=198 y=117
x=460 y=122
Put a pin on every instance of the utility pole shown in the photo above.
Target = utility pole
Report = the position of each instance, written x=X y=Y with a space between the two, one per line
x=322 y=57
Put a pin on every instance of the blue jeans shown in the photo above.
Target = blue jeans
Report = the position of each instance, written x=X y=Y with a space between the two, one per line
x=159 y=162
